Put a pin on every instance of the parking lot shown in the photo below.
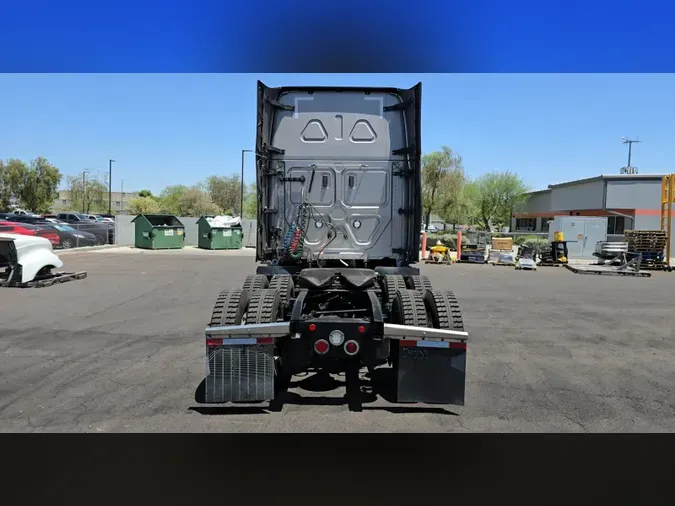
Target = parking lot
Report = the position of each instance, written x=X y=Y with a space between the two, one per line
x=123 y=350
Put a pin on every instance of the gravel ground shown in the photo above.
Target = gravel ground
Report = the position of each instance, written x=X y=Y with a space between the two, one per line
x=122 y=350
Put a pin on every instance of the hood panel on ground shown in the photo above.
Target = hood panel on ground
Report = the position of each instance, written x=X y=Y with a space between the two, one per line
x=30 y=252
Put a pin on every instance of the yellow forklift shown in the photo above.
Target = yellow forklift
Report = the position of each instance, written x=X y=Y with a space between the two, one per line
x=439 y=254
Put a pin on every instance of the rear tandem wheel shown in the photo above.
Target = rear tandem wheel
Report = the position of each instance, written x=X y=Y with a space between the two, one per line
x=391 y=284
x=419 y=283
x=263 y=306
x=443 y=309
x=408 y=308
x=284 y=284
x=256 y=281
x=230 y=308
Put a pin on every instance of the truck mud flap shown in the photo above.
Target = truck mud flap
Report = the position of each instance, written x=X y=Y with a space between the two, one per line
x=241 y=370
x=240 y=362
x=431 y=372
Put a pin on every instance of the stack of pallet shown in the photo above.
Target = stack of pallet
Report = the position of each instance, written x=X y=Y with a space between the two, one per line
x=650 y=243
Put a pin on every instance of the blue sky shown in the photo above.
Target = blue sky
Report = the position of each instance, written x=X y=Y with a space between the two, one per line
x=165 y=129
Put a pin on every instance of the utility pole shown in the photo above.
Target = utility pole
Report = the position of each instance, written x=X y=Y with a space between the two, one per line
x=629 y=169
x=241 y=203
x=122 y=195
x=84 y=190
x=110 y=162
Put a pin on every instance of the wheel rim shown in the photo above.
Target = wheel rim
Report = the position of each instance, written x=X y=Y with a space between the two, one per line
x=66 y=244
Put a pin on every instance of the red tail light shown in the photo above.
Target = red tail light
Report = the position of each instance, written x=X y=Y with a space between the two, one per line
x=321 y=346
x=351 y=347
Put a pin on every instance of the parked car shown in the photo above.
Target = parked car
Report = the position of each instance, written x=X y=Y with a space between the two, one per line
x=104 y=232
x=73 y=217
x=71 y=237
x=9 y=227
x=25 y=218
x=104 y=219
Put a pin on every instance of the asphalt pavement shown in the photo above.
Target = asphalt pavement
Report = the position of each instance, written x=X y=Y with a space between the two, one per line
x=123 y=350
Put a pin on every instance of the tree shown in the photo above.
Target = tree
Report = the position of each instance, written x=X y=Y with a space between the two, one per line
x=225 y=192
x=197 y=202
x=499 y=194
x=144 y=205
x=169 y=199
x=464 y=210
x=12 y=175
x=88 y=194
x=442 y=179
x=145 y=193
x=5 y=192
x=251 y=201
x=35 y=185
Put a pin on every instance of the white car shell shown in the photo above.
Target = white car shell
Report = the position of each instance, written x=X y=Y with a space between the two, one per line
x=32 y=254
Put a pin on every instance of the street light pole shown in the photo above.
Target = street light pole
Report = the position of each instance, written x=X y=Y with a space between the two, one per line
x=84 y=190
x=241 y=203
x=110 y=162
x=121 y=194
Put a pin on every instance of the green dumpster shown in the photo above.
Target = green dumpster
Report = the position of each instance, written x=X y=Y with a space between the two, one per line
x=215 y=236
x=159 y=231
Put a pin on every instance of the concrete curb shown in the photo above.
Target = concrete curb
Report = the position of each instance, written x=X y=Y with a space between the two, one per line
x=85 y=249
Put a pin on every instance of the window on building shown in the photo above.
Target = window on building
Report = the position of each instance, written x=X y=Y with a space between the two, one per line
x=615 y=225
x=545 y=223
x=526 y=224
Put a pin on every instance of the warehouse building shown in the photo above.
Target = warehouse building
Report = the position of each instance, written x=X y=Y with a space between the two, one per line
x=627 y=201
x=118 y=201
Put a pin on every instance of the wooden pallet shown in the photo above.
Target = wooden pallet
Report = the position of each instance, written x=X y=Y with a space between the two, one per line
x=655 y=267
x=42 y=282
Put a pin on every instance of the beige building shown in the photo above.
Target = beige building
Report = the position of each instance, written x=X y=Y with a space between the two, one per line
x=120 y=201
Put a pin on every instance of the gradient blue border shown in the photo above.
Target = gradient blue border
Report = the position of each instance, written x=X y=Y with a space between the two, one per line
x=336 y=36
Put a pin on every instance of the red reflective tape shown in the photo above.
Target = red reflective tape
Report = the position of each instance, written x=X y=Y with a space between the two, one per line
x=458 y=346
x=214 y=342
x=407 y=342
x=265 y=340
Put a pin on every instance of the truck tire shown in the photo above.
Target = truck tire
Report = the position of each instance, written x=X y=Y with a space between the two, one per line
x=256 y=281
x=444 y=310
x=283 y=283
x=230 y=308
x=391 y=285
x=263 y=306
x=420 y=283
x=408 y=308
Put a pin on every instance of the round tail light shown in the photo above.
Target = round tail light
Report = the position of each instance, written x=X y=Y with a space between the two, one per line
x=351 y=347
x=321 y=346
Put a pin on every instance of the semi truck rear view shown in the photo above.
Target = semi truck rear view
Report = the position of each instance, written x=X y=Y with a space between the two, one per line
x=339 y=213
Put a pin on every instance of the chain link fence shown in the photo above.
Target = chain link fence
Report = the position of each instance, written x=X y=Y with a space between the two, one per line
x=80 y=235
